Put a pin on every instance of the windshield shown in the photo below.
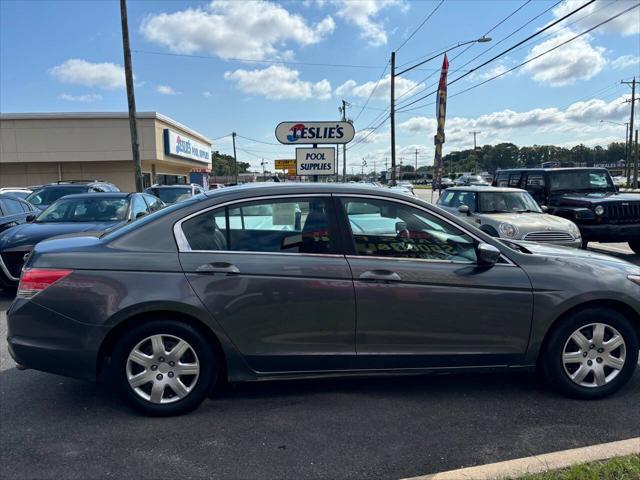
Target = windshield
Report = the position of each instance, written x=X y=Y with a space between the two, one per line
x=47 y=196
x=507 y=202
x=86 y=210
x=581 y=180
x=171 y=195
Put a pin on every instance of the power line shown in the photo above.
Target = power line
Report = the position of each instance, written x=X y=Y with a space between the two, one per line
x=420 y=26
x=541 y=54
x=467 y=48
x=504 y=52
x=261 y=141
x=372 y=92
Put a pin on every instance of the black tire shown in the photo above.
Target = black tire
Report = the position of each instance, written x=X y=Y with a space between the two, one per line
x=585 y=244
x=202 y=384
x=552 y=364
x=635 y=246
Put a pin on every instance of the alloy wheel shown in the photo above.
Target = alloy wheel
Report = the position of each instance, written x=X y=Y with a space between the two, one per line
x=594 y=355
x=162 y=369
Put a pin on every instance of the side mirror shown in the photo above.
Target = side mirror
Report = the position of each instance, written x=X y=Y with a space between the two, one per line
x=30 y=218
x=544 y=208
x=487 y=254
x=140 y=214
x=464 y=209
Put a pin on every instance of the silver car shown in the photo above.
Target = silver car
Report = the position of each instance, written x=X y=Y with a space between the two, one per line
x=509 y=213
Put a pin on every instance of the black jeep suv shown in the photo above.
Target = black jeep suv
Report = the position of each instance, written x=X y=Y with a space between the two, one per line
x=587 y=196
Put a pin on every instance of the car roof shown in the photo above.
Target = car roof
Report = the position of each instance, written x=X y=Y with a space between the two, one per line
x=100 y=195
x=558 y=169
x=484 y=189
x=169 y=186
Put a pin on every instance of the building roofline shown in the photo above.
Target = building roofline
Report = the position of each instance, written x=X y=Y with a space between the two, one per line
x=89 y=115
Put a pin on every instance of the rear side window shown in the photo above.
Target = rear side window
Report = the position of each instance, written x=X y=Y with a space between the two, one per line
x=11 y=206
x=502 y=180
x=279 y=226
x=514 y=180
x=153 y=202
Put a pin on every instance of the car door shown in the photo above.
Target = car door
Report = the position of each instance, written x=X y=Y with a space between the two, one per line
x=271 y=274
x=422 y=300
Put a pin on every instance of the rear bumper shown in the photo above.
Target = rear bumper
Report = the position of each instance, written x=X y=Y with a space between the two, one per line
x=610 y=233
x=44 y=340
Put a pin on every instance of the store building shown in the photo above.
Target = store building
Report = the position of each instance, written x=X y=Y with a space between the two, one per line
x=38 y=148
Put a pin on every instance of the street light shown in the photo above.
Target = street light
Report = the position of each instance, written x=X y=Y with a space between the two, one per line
x=392 y=115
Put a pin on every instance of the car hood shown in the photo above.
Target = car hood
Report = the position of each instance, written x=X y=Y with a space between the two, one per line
x=596 y=198
x=29 y=234
x=530 y=221
x=578 y=256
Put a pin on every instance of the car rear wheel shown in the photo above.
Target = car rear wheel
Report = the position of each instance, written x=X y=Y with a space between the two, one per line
x=635 y=246
x=164 y=367
x=591 y=354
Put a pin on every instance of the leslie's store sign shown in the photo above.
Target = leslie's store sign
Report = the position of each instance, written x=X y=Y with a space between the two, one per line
x=180 y=145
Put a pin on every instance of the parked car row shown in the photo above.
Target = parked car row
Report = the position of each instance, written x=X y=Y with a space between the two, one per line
x=313 y=280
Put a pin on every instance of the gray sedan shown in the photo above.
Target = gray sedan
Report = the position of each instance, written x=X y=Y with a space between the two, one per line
x=313 y=280
x=509 y=213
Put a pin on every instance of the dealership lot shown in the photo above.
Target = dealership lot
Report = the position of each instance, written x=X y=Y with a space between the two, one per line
x=54 y=427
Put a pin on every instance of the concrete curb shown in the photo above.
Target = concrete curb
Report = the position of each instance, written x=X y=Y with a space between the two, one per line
x=540 y=463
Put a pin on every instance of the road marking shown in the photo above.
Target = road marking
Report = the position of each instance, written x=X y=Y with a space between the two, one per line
x=540 y=463
x=600 y=246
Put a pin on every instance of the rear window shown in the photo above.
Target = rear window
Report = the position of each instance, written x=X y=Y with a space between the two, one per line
x=170 y=195
x=47 y=196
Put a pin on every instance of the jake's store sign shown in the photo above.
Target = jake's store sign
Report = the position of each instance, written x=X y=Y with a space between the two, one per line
x=316 y=161
x=180 y=145
x=314 y=132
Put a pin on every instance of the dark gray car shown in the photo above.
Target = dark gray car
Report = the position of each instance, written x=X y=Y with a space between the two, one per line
x=298 y=281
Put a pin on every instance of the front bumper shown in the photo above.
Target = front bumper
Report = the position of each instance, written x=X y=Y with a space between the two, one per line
x=610 y=233
x=42 y=339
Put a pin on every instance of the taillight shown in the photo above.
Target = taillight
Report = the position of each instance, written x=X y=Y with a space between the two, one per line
x=35 y=280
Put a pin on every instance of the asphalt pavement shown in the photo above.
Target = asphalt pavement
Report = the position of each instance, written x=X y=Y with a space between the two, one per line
x=378 y=428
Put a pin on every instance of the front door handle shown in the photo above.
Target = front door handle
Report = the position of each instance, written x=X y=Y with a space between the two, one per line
x=218 y=267
x=380 y=276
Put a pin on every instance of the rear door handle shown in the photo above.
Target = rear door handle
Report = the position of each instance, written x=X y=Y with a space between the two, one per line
x=380 y=276
x=218 y=267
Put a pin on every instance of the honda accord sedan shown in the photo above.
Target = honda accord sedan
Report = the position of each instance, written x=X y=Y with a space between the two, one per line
x=314 y=280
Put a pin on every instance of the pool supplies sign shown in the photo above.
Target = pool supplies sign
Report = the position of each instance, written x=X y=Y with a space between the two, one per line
x=293 y=133
x=316 y=161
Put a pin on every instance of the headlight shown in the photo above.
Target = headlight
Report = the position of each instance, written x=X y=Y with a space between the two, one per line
x=634 y=278
x=508 y=230
x=599 y=210
x=573 y=228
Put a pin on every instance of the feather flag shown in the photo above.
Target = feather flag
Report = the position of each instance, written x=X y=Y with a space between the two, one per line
x=441 y=112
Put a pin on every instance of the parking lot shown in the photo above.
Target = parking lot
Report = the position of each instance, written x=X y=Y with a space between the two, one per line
x=54 y=427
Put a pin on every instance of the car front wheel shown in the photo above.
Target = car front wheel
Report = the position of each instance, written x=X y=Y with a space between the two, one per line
x=591 y=354
x=635 y=246
x=164 y=367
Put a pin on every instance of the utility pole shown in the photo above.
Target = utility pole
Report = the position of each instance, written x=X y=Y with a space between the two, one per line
x=475 y=147
x=629 y=150
x=635 y=164
x=235 y=159
x=392 y=116
x=264 y=175
x=344 y=145
x=416 y=172
x=131 y=99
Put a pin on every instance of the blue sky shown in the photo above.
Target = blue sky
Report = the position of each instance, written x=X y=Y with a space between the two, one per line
x=224 y=66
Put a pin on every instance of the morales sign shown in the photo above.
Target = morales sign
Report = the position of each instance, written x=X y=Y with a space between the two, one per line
x=314 y=132
x=180 y=145
x=316 y=161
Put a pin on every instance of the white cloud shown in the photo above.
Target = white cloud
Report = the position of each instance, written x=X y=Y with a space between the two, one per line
x=278 y=82
x=166 y=90
x=499 y=69
x=627 y=24
x=86 y=98
x=207 y=94
x=234 y=29
x=364 y=15
x=578 y=60
x=107 y=76
x=353 y=89
x=625 y=61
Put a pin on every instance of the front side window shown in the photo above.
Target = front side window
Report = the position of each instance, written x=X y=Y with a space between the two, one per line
x=445 y=199
x=464 y=198
x=153 y=202
x=86 y=210
x=502 y=180
x=514 y=180
x=383 y=228
x=280 y=226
